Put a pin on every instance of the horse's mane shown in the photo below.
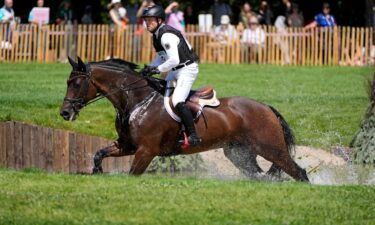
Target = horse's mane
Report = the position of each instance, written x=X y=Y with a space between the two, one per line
x=129 y=67
x=117 y=64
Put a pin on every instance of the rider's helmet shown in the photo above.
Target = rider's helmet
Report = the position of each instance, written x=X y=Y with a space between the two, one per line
x=154 y=11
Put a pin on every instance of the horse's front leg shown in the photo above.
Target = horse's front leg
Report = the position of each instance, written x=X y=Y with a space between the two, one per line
x=111 y=151
x=142 y=159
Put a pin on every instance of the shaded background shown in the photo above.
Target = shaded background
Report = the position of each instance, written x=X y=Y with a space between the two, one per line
x=347 y=12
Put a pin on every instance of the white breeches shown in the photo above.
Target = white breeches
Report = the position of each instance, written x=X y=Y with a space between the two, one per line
x=185 y=78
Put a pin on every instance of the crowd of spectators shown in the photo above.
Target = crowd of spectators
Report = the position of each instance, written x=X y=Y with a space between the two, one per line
x=248 y=30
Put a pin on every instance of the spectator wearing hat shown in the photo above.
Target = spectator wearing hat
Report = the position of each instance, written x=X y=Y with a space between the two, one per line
x=118 y=13
x=324 y=19
x=225 y=33
x=65 y=13
x=253 y=36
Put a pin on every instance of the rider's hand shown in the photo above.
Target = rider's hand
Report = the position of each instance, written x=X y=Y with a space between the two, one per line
x=148 y=71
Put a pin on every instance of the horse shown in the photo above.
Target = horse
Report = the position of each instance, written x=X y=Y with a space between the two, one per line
x=244 y=128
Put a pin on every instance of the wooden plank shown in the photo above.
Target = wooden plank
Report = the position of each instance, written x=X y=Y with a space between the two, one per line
x=18 y=146
x=80 y=152
x=368 y=41
x=34 y=158
x=87 y=163
x=26 y=146
x=73 y=168
x=65 y=151
x=57 y=150
x=362 y=46
x=10 y=153
x=49 y=152
x=3 y=150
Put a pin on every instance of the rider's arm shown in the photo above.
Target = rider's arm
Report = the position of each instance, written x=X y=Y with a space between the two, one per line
x=170 y=44
x=157 y=61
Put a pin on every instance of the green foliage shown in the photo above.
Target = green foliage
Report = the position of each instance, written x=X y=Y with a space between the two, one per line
x=323 y=105
x=34 y=197
x=364 y=142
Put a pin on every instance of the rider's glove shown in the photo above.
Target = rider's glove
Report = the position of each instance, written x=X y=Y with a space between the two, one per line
x=148 y=71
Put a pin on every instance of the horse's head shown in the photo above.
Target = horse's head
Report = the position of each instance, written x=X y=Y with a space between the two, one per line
x=80 y=90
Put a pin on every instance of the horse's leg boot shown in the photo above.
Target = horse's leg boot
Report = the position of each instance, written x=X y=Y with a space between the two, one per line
x=188 y=121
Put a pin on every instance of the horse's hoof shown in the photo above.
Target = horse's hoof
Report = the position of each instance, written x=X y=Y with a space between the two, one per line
x=97 y=170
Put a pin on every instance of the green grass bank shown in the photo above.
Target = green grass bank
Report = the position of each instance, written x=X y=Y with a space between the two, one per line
x=32 y=197
x=323 y=105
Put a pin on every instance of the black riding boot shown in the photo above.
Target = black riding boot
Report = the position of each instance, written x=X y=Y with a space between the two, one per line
x=188 y=121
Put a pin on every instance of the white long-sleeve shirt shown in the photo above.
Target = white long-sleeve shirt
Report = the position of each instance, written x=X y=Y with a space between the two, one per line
x=165 y=61
x=256 y=37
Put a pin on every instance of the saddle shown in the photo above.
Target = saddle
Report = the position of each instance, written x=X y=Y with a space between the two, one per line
x=196 y=101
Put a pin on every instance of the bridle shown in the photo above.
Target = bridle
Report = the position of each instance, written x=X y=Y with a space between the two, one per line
x=79 y=102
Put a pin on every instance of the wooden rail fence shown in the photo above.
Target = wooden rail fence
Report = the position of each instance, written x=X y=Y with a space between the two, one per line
x=295 y=46
x=24 y=146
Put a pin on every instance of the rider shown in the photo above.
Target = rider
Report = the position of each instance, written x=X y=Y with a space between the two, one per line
x=175 y=56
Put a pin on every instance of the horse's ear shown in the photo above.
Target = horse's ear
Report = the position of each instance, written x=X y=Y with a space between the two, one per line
x=72 y=63
x=81 y=64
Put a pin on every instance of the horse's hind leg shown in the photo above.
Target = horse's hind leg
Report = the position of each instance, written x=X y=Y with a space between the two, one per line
x=244 y=159
x=283 y=160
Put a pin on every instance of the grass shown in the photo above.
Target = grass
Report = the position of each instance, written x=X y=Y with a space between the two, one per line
x=323 y=105
x=45 y=198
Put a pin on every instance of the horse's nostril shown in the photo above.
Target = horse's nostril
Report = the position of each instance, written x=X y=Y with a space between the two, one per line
x=65 y=113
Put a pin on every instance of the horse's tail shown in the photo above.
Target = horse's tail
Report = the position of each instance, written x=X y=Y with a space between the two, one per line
x=288 y=133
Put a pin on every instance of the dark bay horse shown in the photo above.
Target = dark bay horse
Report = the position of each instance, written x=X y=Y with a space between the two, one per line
x=243 y=127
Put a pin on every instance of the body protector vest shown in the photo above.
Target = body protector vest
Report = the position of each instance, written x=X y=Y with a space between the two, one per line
x=185 y=53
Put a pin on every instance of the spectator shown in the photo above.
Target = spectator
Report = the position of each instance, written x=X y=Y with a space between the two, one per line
x=118 y=13
x=253 y=36
x=87 y=15
x=7 y=17
x=225 y=33
x=190 y=17
x=7 y=13
x=281 y=28
x=265 y=14
x=296 y=18
x=245 y=14
x=132 y=8
x=218 y=9
x=174 y=17
x=39 y=4
x=287 y=8
x=65 y=13
x=323 y=19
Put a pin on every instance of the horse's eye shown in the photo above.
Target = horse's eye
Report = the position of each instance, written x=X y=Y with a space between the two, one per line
x=76 y=84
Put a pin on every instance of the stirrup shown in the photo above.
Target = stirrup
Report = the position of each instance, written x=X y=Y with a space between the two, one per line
x=193 y=140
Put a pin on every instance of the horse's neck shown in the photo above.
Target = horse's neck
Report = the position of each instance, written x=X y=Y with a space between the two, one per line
x=128 y=90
